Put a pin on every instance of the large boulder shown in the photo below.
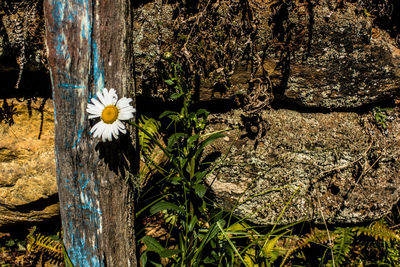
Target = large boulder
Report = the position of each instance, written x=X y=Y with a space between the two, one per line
x=339 y=166
x=346 y=62
x=303 y=83
x=28 y=189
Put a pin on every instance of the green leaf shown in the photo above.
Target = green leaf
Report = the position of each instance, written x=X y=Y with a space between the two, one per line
x=10 y=243
x=169 y=82
x=143 y=259
x=208 y=141
x=201 y=111
x=175 y=96
x=199 y=176
x=176 y=180
x=208 y=260
x=174 y=138
x=192 y=223
x=193 y=138
x=152 y=245
x=156 y=264
x=167 y=113
x=166 y=253
x=200 y=190
x=211 y=233
x=164 y=205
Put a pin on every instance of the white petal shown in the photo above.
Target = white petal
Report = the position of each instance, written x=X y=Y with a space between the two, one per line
x=92 y=109
x=112 y=91
x=110 y=97
x=123 y=102
x=98 y=104
x=125 y=116
x=107 y=100
x=114 y=128
x=108 y=132
x=127 y=108
x=96 y=126
x=104 y=135
x=98 y=129
x=101 y=96
x=121 y=126
x=93 y=116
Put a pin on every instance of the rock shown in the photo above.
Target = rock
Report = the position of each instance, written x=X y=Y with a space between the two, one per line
x=301 y=59
x=28 y=189
x=345 y=63
x=338 y=166
x=22 y=36
x=316 y=55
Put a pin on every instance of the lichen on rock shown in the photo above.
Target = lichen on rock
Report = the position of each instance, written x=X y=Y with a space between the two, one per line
x=336 y=165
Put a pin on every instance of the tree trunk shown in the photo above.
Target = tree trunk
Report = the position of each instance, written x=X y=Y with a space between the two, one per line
x=89 y=48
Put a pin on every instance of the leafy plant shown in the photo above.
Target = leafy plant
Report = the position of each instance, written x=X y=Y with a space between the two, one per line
x=342 y=245
x=182 y=194
x=380 y=115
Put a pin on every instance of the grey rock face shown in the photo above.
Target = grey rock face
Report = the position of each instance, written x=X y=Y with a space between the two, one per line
x=346 y=63
x=337 y=165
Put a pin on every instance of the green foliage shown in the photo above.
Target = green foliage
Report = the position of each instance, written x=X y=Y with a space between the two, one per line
x=380 y=115
x=316 y=236
x=379 y=231
x=181 y=195
x=375 y=244
x=342 y=245
x=152 y=127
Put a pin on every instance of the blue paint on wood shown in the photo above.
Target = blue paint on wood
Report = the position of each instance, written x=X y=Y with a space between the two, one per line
x=98 y=72
x=78 y=138
x=83 y=189
x=83 y=181
x=62 y=48
x=80 y=253
x=57 y=12
x=64 y=85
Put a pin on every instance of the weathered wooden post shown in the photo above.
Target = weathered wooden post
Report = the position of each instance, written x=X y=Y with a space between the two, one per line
x=89 y=48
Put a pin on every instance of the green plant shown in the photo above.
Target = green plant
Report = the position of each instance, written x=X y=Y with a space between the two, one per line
x=380 y=115
x=182 y=194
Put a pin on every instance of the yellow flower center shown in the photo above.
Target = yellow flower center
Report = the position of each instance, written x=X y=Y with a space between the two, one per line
x=109 y=114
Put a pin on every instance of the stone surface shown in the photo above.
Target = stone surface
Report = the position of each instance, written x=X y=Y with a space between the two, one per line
x=336 y=165
x=28 y=189
x=316 y=55
x=301 y=59
x=345 y=64
x=22 y=34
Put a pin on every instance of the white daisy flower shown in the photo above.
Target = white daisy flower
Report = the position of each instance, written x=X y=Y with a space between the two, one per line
x=111 y=112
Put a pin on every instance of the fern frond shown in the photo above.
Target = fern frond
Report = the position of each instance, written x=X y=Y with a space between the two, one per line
x=378 y=230
x=316 y=236
x=52 y=247
x=152 y=126
x=342 y=245
x=153 y=156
